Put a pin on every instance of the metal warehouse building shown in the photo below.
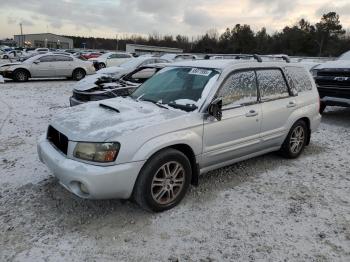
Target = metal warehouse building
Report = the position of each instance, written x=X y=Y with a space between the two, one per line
x=146 y=49
x=44 y=40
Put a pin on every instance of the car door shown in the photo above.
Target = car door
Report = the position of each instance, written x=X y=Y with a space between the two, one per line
x=238 y=132
x=43 y=67
x=63 y=66
x=112 y=60
x=277 y=105
x=122 y=58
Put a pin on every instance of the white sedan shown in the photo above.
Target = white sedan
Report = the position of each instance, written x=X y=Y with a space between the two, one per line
x=110 y=59
x=48 y=65
x=11 y=54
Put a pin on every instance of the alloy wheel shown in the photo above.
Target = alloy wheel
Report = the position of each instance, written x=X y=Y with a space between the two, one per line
x=168 y=182
x=21 y=76
x=297 y=139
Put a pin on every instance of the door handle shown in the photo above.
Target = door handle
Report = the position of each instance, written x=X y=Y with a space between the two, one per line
x=251 y=113
x=292 y=104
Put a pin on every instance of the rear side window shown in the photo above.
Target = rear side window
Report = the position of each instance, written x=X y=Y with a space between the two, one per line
x=48 y=58
x=122 y=56
x=239 y=88
x=298 y=78
x=272 y=84
x=62 y=58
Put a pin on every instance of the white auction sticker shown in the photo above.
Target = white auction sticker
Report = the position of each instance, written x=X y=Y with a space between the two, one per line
x=200 y=72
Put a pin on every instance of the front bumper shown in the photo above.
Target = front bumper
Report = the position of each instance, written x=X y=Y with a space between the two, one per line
x=336 y=101
x=6 y=74
x=102 y=182
x=334 y=91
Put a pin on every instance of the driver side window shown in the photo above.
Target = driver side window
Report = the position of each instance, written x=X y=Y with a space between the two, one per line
x=240 y=88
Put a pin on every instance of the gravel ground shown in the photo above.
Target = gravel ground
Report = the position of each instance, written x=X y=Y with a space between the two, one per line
x=263 y=209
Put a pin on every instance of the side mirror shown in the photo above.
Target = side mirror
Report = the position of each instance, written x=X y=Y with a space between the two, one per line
x=36 y=62
x=215 y=109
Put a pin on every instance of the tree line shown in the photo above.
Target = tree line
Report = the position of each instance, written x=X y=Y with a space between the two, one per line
x=325 y=38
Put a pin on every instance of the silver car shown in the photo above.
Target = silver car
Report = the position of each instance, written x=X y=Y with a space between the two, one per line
x=48 y=65
x=188 y=119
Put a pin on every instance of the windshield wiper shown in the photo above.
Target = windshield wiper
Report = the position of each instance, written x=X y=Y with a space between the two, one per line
x=187 y=108
x=154 y=102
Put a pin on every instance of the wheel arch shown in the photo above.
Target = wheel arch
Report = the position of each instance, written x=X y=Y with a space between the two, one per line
x=188 y=151
x=78 y=68
x=308 y=125
x=23 y=69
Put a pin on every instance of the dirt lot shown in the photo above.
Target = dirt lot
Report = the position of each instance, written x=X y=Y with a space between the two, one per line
x=264 y=209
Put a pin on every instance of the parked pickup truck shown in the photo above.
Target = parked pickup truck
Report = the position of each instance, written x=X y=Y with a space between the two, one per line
x=333 y=83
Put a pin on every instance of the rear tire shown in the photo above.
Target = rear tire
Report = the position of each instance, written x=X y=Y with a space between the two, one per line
x=5 y=57
x=296 y=140
x=78 y=74
x=20 y=75
x=163 y=181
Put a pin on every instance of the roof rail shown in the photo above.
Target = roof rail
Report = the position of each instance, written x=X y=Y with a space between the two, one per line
x=283 y=57
x=258 y=58
x=255 y=56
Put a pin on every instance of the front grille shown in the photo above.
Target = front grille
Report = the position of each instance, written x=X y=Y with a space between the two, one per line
x=328 y=82
x=59 y=140
x=334 y=73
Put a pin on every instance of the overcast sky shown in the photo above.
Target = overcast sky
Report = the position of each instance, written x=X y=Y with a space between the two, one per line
x=106 y=18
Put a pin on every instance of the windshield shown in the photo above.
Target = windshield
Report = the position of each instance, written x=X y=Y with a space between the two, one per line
x=178 y=87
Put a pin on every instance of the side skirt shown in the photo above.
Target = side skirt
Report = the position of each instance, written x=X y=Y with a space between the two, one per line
x=233 y=161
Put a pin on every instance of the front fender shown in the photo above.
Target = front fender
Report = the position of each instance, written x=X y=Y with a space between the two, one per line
x=192 y=138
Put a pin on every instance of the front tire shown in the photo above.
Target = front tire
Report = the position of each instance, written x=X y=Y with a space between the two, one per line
x=5 y=57
x=163 y=181
x=78 y=74
x=296 y=140
x=20 y=75
x=101 y=66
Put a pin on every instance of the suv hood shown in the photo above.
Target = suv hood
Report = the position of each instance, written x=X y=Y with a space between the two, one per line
x=340 y=64
x=94 y=123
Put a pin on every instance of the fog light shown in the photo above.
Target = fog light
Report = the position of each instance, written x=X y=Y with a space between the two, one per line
x=83 y=188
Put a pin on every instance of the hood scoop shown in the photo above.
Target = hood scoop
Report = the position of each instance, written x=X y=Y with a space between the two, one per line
x=109 y=107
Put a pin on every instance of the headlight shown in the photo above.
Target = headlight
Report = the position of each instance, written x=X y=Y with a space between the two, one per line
x=4 y=68
x=97 y=152
x=314 y=72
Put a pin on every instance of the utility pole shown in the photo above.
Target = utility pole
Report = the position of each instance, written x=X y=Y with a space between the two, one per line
x=22 y=40
x=116 y=37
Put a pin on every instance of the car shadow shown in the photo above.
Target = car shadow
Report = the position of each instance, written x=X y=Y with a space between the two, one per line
x=38 y=80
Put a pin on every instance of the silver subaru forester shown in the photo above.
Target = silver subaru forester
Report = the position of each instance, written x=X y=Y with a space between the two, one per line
x=188 y=119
